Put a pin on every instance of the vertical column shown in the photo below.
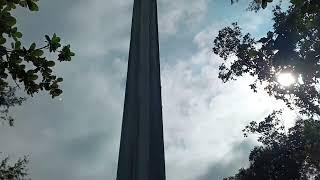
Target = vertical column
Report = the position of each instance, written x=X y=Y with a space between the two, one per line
x=141 y=155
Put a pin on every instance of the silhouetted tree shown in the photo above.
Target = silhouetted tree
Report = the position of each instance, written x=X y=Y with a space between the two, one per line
x=293 y=46
x=13 y=171
x=26 y=68
x=256 y=5
x=292 y=155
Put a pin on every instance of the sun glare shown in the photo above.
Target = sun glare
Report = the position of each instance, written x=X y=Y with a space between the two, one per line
x=286 y=79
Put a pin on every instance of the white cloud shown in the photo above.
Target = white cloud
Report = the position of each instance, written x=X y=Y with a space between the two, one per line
x=101 y=27
x=174 y=14
x=203 y=118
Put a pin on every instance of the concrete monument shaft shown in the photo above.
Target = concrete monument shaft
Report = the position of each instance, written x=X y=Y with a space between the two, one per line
x=141 y=155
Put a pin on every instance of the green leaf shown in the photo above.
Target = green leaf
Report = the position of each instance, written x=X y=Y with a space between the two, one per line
x=34 y=77
x=3 y=51
x=10 y=20
x=55 y=39
x=32 y=5
x=17 y=45
x=54 y=86
x=22 y=66
x=54 y=44
x=14 y=29
x=65 y=54
x=23 y=3
x=3 y=75
x=37 y=52
x=264 y=4
x=59 y=79
x=7 y=8
x=33 y=46
x=47 y=88
x=47 y=38
x=2 y=40
x=51 y=63
x=18 y=34
x=18 y=60
x=56 y=92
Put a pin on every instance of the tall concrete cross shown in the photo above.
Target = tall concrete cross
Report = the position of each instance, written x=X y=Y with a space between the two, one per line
x=141 y=155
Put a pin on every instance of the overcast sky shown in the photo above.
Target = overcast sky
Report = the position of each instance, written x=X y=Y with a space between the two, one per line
x=77 y=137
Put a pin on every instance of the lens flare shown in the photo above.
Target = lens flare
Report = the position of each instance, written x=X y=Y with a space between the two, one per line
x=286 y=79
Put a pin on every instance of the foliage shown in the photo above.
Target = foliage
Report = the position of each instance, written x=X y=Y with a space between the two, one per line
x=256 y=5
x=8 y=99
x=26 y=66
x=16 y=171
x=292 y=46
x=292 y=155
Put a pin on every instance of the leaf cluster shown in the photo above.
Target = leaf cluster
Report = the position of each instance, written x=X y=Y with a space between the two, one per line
x=292 y=155
x=27 y=66
x=293 y=46
x=16 y=171
x=256 y=5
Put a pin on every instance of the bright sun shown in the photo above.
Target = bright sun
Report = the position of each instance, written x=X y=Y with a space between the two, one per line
x=286 y=79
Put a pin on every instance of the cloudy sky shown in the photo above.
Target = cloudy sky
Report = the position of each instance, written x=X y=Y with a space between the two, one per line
x=77 y=136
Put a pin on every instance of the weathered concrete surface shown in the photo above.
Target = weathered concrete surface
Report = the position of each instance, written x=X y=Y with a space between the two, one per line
x=141 y=155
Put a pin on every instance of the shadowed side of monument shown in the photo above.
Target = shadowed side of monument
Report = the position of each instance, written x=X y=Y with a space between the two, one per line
x=141 y=155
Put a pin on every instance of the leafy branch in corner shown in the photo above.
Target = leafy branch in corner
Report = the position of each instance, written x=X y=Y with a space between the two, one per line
x=15 y=171
x=292 y=46
x=27 y=67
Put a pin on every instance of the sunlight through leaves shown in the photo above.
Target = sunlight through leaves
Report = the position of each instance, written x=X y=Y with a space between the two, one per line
x=286 y=79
